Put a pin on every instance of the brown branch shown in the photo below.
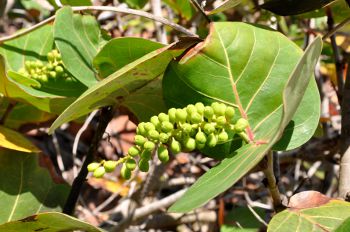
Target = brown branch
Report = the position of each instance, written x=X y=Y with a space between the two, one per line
x=106 y=116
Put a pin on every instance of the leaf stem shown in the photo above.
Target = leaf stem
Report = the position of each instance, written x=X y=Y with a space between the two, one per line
x=105 y=117
x=105 y=8
x=272 y=183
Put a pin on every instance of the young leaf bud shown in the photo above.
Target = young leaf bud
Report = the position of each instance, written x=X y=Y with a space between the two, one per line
x=93 y=166
x=163 y=154
x=110 y=165
x=99 y=172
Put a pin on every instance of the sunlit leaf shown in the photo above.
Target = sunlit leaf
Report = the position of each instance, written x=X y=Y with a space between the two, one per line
x=13 y=140
x=48 y=222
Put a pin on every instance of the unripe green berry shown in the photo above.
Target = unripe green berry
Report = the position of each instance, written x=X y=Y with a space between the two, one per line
x=147 y=155
x=143 y=165
x=208 y=128
x=212 y=140
x=241 y=124
x=191 y=109
x=164 y=137
x=163 y=154
x=52 y=74
x=125 y=172
x=221 y=121
x=141 y=129
x=93 y=166
x=172 y=115
x=187 y=128
x=163 y=117
x=175 y=146
x=200 y=145
x=99 y=172
x=196 y=118
x=149 y=126
x=155 y=121
x=167 y=127
x=149 y=146
x=201 y=138
x=139 y=140
x=208 y=112
x=133 y=151
x=181 y=115
x=229 y=112
x=39 y=64
x=110 y=165
x=189 y=144
x=59 y=70
x=50 y=67
x=179 y=134
x=50 y=56
x=153 y=135
x=130 y=164
x=222 y=137
x=219 y=108
x=200 y=107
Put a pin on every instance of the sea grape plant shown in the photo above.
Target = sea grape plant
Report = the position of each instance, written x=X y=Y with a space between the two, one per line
x=235 y=95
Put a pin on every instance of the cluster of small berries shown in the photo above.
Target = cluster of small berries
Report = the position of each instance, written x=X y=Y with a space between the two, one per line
x=53 y=70
x=181 y=130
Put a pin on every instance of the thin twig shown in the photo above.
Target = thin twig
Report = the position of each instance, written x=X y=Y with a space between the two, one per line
x=104 y=8
x=200 y=9
x=106 y=116
x=160 y=30
x=77 y=137
x=336 y=28
x=336 y=53
x=272 y=184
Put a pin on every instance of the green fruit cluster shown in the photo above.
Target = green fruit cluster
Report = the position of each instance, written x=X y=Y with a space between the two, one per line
x=180 y=130
x=52 y=70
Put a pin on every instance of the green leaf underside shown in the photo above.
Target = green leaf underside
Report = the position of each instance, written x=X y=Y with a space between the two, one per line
x=78 y=38
x=267 y=129
x=228 y=4
x=117 y=53
x=48 y=222
x=123 y=82
x=326 y=217
x=26 y=188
